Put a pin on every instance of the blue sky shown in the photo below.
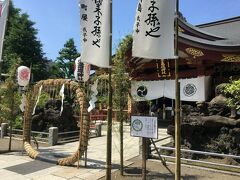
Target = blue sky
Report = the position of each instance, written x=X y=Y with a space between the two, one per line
x=58 y=20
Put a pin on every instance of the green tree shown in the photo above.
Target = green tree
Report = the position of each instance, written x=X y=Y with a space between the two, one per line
x=120 y=77
x=67 y=57
x=10 y=99
x=21 y=42
x=233 y=92
x=54 y=71
x=121 y=87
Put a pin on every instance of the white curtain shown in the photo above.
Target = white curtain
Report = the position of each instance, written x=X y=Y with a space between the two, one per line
x=193 y=89
x=147 y=90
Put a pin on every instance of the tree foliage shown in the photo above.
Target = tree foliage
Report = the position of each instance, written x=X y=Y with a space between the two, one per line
x=120 y=77
x=233 y=92
x=21 y=42
x=66 y=59
x=9 y=97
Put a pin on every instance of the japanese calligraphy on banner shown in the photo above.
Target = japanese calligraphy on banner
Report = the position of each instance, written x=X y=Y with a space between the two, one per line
x=3 y=19
x=95 y=32
x=144 y=126
x=153 y=36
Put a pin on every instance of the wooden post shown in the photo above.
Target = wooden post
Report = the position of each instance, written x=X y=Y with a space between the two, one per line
x=85 y=158
x=78 y=159
x=121 y=141
x=177 y=105
x=109 y=123
x=144 y=158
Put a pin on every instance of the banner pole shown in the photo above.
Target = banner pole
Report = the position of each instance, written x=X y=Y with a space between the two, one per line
x=177 y=103
x=144 y=158
x=109 y=122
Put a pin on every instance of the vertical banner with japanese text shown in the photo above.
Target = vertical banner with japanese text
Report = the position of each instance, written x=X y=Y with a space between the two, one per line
x=153 y=36
x=3 y=19
x=95 y=32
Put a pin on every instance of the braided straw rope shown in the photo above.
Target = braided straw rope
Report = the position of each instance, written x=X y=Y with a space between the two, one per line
x=30 y=151
x=83 y=119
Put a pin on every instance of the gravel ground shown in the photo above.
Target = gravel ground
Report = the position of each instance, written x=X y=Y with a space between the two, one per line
x=155 y=170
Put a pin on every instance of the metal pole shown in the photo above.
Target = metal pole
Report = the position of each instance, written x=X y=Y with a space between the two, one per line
x=109 y=124
x=177 y=104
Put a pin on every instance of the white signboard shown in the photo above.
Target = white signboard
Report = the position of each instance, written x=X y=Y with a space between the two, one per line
x=144 y=126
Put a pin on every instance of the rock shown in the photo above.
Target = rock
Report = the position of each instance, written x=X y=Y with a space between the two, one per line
x=207 y=127
x=50 y=116
x=218 y=106
x=219 y=121
x=220 y=89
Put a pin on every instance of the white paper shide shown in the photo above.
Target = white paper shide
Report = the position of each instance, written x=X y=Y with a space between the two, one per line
x=153 y=36
x=95 y=32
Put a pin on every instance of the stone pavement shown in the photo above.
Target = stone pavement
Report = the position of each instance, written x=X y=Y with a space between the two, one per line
x=17 y=166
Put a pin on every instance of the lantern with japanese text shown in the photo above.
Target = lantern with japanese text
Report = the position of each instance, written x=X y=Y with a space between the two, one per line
x=23 y=75
x=81 y=70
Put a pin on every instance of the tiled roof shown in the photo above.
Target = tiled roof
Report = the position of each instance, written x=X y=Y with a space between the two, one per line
x=229 y=28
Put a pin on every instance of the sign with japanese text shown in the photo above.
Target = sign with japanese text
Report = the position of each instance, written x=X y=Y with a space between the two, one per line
x=153 y=36
x=95 y=32
x=144 y=126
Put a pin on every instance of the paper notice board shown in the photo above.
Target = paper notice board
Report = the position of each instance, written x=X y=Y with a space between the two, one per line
x=144 y=126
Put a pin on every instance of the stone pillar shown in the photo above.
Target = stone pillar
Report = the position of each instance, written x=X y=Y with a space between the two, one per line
x=98 y=130
x=53 y=136
x=4 y=128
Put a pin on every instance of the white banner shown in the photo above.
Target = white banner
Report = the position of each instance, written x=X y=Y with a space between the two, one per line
x=3 y=19
x=153 y=36
x=95 y=32
x=194 y=89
